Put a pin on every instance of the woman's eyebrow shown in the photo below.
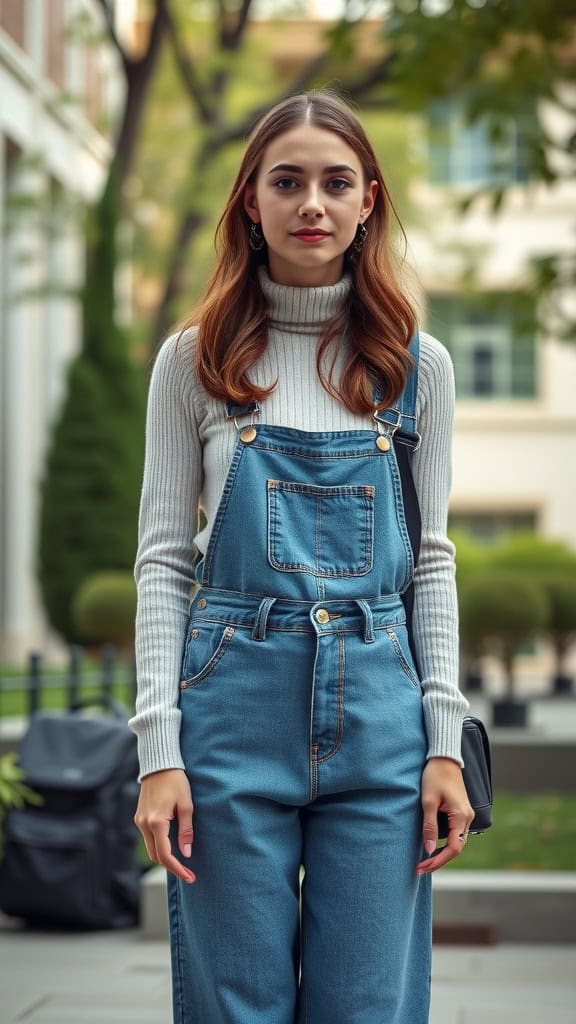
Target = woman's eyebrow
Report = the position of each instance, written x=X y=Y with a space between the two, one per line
x=300 y=170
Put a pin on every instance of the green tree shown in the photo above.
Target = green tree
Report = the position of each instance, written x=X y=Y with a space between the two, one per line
x=93 y=468
x=501 y=58
x=500 y=611
x=560 y=590
x=531 y=554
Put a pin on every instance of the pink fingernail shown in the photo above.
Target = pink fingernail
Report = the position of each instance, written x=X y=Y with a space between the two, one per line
x=187 y=850
x=429 y=846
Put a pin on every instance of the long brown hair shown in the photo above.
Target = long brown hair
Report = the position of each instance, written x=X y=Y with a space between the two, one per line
x=231 y=316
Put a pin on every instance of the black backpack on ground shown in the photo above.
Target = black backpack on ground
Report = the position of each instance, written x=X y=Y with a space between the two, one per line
x=71 y=862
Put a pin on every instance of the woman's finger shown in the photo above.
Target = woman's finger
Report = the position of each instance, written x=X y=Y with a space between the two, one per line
x=161 y=831
x=455 y=843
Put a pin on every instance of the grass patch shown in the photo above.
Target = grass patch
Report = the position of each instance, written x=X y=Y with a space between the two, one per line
x=530 y=833
x=54 y=691
x=535 y=832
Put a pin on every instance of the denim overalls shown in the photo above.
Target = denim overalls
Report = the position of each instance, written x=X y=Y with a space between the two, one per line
x=303 y=738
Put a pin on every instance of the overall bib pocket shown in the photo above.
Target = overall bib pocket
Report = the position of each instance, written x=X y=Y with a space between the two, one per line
x=206 y=645
x=399 y=641
x=325 y=531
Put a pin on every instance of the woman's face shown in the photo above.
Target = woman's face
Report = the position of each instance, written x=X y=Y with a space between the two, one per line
x=309 y=196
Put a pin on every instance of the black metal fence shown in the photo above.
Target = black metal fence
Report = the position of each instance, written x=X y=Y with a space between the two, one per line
x=111 y=679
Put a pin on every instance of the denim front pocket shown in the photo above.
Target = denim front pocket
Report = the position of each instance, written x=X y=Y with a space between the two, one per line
x=401 y=647
x=326 y=531
x=206 y=645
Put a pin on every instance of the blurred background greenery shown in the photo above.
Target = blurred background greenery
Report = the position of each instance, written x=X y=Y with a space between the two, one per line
x=470 y=105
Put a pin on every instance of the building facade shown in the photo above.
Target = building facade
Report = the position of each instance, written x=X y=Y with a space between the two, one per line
x=514 y=451
x=515 y=426
x=58 y=88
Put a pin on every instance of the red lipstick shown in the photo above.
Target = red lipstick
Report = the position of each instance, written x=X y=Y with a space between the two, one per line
x=311 y=234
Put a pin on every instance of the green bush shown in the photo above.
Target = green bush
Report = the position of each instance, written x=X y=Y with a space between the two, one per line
x=470 y=555
x=104 y=608
x=499 y=612
x=527 y=552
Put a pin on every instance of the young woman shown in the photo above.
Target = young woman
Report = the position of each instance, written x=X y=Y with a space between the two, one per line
x=281 y=716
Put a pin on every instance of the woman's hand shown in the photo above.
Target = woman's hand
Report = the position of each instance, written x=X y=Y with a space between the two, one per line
x=443 y=789
x=163 y=796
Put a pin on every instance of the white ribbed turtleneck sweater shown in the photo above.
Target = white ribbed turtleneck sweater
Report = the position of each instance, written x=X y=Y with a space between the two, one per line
x=189 y=446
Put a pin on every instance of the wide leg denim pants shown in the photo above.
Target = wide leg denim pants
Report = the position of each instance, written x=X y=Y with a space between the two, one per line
x=303 y=738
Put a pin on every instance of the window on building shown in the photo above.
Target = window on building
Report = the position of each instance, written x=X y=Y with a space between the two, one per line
x=12 y=19
x=491 y=525
x=55 y=41
x=491 y=339
x=480 y=153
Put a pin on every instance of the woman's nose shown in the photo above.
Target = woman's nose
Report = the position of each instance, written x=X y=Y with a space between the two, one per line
x=312 y=204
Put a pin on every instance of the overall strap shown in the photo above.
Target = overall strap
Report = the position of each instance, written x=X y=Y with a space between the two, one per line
x=234 y=409
x=402 y=416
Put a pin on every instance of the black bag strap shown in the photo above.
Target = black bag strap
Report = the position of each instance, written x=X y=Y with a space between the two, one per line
x=405 y=443
x=413 y=524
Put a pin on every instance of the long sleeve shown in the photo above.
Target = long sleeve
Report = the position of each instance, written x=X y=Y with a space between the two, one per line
x=435 y=617
x=163 y=568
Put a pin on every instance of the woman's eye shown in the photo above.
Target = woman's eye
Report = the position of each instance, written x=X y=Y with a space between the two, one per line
x=339 y=184
x=284 y=183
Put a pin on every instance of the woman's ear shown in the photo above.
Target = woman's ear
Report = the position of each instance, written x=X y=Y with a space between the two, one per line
x=250 y=204
x=368 y=201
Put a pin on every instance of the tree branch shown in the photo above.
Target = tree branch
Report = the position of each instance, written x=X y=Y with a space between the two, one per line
x=231 y=38
x=159 y=25
x=188 y=73
x=138 y=77
x=238 y=131
x=376 y=75
x=109 y=19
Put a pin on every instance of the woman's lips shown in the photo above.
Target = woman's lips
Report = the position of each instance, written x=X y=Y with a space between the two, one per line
x=310 y=237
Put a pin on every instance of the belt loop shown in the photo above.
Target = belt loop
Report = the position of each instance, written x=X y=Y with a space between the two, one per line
x=368 y=621
x=259 y=628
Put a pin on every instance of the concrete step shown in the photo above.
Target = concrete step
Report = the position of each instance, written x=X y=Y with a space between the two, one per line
x=513 y=906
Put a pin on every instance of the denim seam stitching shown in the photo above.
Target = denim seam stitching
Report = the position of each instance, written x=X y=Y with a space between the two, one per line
x=339 y=703
x=300 y=629
x=313 y=456
x=176 y=917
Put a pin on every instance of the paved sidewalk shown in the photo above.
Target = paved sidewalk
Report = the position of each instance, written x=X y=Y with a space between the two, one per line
x=119 y=978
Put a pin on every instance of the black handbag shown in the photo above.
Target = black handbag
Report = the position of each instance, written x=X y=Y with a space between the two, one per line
x=477 y=775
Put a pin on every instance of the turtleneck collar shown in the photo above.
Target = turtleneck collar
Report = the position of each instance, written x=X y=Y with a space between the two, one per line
x=302 y=308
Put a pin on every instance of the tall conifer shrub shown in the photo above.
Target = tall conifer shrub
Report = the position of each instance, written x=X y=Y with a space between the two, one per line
x=91 y=485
